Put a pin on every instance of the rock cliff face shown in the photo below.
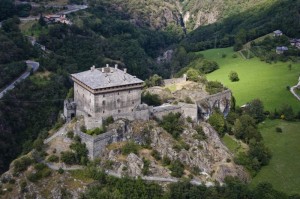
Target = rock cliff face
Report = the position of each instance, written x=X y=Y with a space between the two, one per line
x=209 y=157
x=187 y=14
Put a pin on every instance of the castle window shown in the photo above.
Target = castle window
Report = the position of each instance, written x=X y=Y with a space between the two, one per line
x=119 y=111
x=103 y=111
x=128 y=91
x=118 y=93
x=118 y=100
x=131 y=110
x=104 y=95
x=103 y=102
x=132 y=102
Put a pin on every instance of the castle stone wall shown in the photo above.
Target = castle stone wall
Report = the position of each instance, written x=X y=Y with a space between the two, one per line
x=189 y=110
x=163 y=110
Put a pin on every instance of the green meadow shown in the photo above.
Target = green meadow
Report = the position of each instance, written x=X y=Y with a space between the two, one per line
x=283 y=171
x=258 y=79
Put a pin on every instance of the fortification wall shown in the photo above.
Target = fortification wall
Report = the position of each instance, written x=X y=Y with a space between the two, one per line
x=220 y=101
x=189 y=110
x=97 y=144
x=160 y=111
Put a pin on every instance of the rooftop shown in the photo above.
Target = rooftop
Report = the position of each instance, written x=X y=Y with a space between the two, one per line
x=97 y=78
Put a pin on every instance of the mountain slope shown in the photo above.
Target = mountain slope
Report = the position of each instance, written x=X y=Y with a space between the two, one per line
x=172 y=14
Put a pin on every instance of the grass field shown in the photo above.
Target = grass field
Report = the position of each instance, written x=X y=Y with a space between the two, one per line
x=258 y=79
x=284 y=168
x=235 y=146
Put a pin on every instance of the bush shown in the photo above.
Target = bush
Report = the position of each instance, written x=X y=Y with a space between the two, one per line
x=95 y=131
x=156 y=155
x=166 y=161
x=278 y=130
x=172 y=124
x=42 y=171
x=177 y=169
x=53 y=158
x=109 y=120
x=70 y=134
x=60 y=171
x=130 y=147
x=68 y=157
x=145 y=170
x=22 y=164
x=213 y=87
x=233 y=76
x=38 y=144
x=151 y=99
x=218 y=122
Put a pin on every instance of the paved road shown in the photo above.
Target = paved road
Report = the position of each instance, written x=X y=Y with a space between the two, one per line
x=31 y=65
x=293 y=90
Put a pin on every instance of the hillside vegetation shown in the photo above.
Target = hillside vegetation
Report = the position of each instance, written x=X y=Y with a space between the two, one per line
x=173 y=14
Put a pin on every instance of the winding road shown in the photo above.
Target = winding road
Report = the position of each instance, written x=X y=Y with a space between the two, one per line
x=32 y=65
x=295 y=87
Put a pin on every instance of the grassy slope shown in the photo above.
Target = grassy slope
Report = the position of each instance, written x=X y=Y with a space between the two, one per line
x=257 y=79
x=284 y=169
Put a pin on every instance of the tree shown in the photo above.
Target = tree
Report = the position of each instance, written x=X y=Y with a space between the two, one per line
x=154 y=80
x=42 y=21
x=233 y=76
x=7 y=9
x=218 y=122
x=255 y=109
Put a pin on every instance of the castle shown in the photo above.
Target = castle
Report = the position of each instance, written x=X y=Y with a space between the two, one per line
x=108 y=91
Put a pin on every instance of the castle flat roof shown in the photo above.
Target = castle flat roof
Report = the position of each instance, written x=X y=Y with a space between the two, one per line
x=106 y=77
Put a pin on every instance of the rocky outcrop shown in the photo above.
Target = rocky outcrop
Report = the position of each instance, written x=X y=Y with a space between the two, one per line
x=209 y=157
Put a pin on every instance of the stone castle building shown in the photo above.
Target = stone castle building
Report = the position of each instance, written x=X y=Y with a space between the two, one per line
x=107 y=91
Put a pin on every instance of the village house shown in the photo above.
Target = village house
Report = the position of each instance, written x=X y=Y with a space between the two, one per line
x=281 y=49
x=277 y=33
x=295 y=42
x=57 y=19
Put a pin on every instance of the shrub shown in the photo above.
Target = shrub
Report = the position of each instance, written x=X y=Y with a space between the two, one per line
x=233 y=76
x=151 y=99
x=188 y=100
x=145 y=170
x=234 y=55
x=172 y=124
x=22 y=164
x=213 y=87
x=53 y=158
x=83 y=129
x=130 y=147
x=109 y=120
x=38 y=144
x=95 y=131
x=156 y=155
x=70 y=134
x=218 y=122
x=60 y=171
x=68 y=157
x=278 y=130
x=177 y=169
x=166 y=161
